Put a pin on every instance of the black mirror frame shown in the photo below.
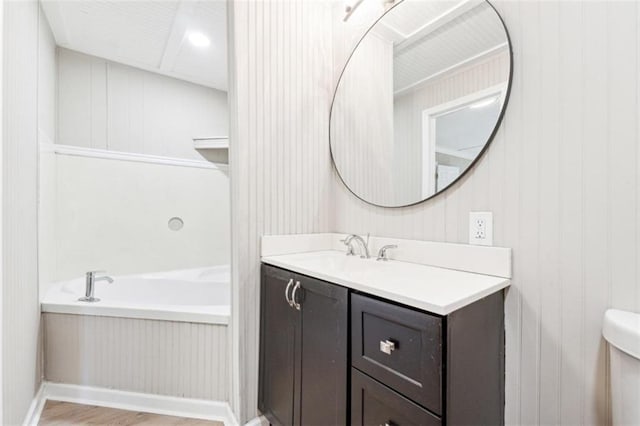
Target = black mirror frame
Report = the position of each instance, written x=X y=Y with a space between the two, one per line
x=484 y=148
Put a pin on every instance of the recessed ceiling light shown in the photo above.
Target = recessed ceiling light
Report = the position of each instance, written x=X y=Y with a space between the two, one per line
x=199 y=39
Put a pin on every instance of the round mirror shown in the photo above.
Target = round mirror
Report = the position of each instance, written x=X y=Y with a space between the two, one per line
x=420 y=99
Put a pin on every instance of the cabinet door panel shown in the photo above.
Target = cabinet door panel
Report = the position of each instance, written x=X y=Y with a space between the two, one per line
x=279 y=346
x=324 y=352
x=374 y=404
x=413 y=364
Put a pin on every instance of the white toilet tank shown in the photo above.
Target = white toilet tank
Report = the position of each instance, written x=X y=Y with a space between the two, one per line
x=622 y=331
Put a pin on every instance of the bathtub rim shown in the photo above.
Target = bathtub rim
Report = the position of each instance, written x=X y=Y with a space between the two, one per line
x=206 y=314
x=151 y=312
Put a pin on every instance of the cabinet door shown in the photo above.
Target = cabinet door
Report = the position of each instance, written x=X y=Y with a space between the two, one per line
x=324 y=387
x=279 y=394
x=374 y=404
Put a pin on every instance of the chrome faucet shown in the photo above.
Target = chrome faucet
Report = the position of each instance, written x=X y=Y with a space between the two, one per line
x=91 y=280
x=382 y=253
x=364 y=246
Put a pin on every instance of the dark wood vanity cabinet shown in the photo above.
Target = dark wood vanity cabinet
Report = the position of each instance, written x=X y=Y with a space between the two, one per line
x=406 y=366
x=303 y=350
x=412 y=367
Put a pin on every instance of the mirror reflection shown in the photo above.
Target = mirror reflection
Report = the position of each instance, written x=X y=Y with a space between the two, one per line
x=419 y=99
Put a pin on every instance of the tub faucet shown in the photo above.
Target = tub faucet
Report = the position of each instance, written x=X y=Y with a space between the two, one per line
x=91 y=280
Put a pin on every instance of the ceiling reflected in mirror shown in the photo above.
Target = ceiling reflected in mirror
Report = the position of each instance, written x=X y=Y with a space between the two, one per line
x=419 y=99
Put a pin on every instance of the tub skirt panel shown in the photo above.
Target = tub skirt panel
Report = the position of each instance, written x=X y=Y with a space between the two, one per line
x=171 y=358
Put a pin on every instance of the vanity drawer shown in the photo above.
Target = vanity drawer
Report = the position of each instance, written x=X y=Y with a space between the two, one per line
x=372 y=403
x=400 y=347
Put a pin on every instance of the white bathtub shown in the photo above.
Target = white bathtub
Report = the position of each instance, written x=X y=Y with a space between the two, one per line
x=193 y=295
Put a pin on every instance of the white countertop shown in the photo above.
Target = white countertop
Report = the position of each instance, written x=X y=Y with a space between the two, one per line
x=433 y=289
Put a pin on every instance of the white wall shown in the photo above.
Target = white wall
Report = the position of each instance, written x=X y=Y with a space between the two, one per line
x=112 y=215
x=562 y=181
x=280 y=163
x=26 y=108
x=47 y=95
x=107 y=105
x=561 y=178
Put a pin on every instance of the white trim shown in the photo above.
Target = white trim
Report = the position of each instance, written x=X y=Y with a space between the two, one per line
x=480 y=56
x=460 y=154
x=177 y=36
x=439 y=21
x=132 y=401
x=428 y=130
x=35 y=409
x=211 y=143
x=159 y=313
x=470 y=98
x=76 y=151
x=258 y=421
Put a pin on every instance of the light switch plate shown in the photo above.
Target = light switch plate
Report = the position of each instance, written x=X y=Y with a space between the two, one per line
x=481 y=228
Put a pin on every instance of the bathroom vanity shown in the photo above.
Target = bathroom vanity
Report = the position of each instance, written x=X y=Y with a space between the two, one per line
x=346 y=340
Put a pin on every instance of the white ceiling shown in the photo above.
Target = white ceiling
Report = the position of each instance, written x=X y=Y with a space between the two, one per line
x=432 y=37
x=148 y=34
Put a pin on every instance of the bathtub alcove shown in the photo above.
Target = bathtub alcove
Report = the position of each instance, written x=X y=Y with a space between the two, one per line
x=160 y=333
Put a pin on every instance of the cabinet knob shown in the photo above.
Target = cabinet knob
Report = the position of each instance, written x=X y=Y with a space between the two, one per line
x=286 y=292
x=387 y=346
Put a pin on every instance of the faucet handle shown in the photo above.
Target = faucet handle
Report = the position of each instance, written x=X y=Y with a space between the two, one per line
x=382 y=253
x=350 y=251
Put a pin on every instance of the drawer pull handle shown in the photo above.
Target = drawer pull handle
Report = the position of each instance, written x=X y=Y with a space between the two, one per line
x=293 y=296
x=286 y=292
x=387 y=346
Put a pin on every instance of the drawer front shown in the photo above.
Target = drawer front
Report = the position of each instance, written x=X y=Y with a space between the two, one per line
x=374 y=404
x=400 y=347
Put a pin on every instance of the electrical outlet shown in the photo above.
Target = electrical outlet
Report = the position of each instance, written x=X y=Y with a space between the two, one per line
x=481 y=228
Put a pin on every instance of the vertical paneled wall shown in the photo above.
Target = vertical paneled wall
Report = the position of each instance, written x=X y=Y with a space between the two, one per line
x=562 y=179
x=172 y=358
x=20 y=308
x=279 y=159
x=107 y=105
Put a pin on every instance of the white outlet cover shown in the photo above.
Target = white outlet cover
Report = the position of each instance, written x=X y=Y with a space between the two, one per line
x=481 y=228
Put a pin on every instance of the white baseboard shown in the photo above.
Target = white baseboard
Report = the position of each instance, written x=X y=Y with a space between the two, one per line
x=35 y=409
x=258 y=421
x=132 y=401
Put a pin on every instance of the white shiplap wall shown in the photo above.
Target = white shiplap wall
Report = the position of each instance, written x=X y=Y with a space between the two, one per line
x=279 y=159
x=181 y=359
x=20 y=308
x=107 y=105
x=562 y=179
